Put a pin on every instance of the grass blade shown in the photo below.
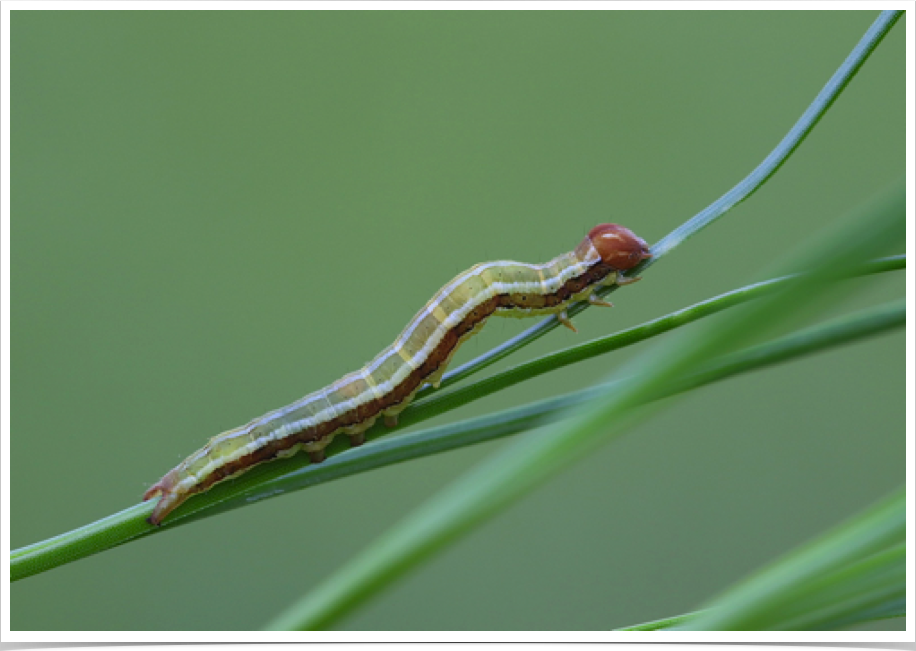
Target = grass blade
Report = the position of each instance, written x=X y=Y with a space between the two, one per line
x=521 y=466
x=857 y=567
x=742 y=190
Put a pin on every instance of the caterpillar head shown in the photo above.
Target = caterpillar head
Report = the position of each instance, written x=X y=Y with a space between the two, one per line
x=618 y=246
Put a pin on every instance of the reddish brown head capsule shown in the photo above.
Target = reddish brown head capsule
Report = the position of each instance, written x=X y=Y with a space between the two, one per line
x=618 y=246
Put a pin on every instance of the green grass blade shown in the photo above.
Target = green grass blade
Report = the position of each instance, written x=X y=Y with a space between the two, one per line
x=823 y=336
x=744 y=189
x=837 y=599
x=521 y=466
x=865 y=586
x=662 y=624
x=445 y=401
x=857 y=567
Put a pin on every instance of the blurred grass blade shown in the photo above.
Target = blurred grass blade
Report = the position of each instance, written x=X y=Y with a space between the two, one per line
x=835 y=332
x=839 y=599
x=526 y=463
x=856 y=587
x=868 y=590
x=744 y=189
x=858 y=568
x=662 y=624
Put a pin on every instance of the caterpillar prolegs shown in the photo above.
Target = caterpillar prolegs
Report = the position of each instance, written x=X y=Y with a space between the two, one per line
x=419 y=356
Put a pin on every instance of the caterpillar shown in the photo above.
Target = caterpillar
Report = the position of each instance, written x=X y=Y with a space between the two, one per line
x=420 y=355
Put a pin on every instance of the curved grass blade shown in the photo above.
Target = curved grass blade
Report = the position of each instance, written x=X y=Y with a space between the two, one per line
x=744 y=189
x=861 y=586
x=856 y=568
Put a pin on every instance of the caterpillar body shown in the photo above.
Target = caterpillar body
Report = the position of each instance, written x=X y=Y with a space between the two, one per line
x=420 y=355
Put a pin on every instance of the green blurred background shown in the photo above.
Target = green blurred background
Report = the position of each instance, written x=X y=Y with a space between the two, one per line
x=218 y=212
